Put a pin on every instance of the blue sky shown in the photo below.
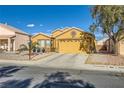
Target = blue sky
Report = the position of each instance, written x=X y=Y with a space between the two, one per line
x=34 y=19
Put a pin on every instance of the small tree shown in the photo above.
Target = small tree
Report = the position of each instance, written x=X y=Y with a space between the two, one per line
x=87 y=42
x=24 y=47
x=110 y=21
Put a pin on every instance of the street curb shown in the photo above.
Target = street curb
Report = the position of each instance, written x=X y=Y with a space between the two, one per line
x=107 y=68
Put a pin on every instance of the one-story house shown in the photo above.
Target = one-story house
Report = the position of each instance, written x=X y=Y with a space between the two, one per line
x=43 y=40
x=67 y=40
x=11 y=38
x=106 y=45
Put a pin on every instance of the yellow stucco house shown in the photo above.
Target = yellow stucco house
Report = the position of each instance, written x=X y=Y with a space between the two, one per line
x=43 y=40
x=65 y=40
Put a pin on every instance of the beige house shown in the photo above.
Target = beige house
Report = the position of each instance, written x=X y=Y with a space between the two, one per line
x=106 y=45
x=11 y=38
x=101 y=47
x=110 y=45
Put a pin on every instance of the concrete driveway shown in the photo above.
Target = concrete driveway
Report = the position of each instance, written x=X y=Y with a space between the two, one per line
x=64 y=60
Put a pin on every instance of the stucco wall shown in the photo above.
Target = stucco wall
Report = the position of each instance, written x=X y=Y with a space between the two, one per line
x=68 y=34
x=20 y=39
x=121 y=47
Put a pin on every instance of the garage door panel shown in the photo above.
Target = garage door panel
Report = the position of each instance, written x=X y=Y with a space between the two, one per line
x=69 y=46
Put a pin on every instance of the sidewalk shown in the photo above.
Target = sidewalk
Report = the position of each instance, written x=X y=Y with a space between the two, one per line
x=91 y=67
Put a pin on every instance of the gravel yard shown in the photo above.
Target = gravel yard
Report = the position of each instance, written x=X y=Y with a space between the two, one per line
x=22 y=56
x=105 y=59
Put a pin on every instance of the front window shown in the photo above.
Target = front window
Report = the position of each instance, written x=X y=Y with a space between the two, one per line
x=47 y=42
x=44 y=43
x=41 y=43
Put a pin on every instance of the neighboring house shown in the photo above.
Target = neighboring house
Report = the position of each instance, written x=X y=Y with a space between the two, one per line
x=110 y=45
x=121 y=47
x=101 y=47
x=105 y=45
x=65 y=40
x=43 y=40
x=11 y=38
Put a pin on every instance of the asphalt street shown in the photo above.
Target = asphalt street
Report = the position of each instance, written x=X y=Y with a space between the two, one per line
x=31 y=76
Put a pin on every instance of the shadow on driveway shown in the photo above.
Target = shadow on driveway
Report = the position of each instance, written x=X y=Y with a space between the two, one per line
x=61 y=80
x=7 y=71
x=16 y=83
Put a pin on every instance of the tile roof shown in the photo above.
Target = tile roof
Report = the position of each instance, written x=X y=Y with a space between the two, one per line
x=13 y=29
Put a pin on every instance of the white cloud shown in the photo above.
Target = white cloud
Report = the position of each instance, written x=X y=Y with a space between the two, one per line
x=61 y=27
x=30 y=25
x=48 y=30
x=41 y=24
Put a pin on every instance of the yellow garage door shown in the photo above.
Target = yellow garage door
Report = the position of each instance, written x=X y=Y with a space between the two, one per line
x=69 y=46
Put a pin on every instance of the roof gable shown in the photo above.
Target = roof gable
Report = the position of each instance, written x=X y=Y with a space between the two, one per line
x=45 y=35
x=40 y=36
x=13 y=29
x=56 y=32
x=70 y=33
x=60 y=31
x=6 y=32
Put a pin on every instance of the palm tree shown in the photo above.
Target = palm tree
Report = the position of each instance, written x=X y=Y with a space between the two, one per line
x=29 y=46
